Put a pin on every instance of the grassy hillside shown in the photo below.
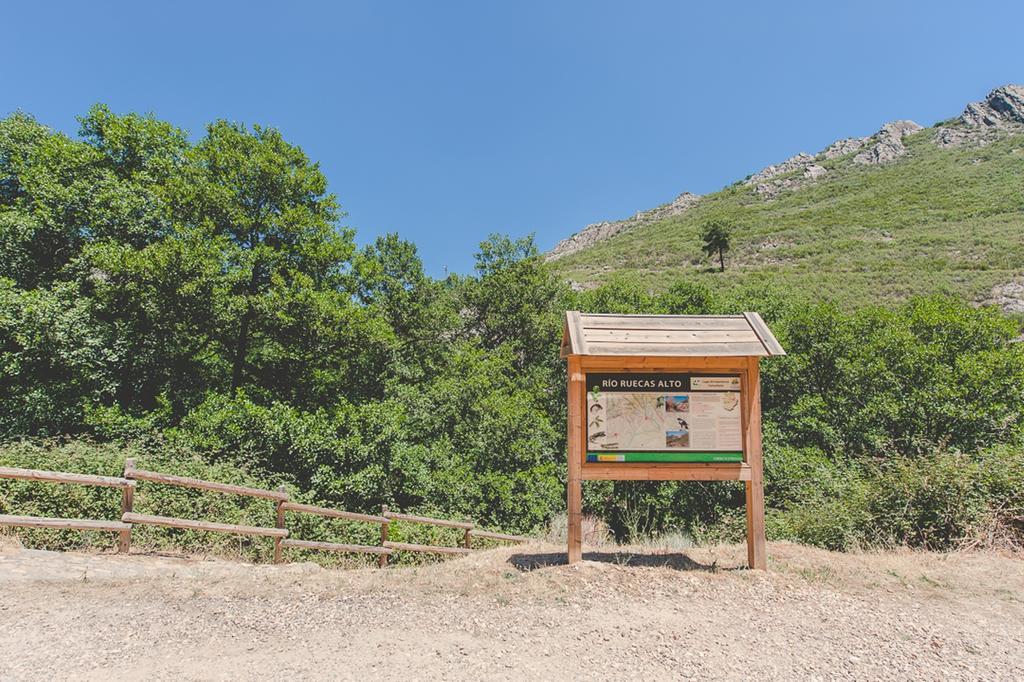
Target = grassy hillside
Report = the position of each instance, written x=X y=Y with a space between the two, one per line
x=936 y=220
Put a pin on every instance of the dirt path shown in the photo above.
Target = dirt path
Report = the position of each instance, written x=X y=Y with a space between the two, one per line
x=516 y=613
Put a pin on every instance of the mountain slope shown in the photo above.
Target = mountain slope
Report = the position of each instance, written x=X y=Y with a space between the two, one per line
x=907 y=211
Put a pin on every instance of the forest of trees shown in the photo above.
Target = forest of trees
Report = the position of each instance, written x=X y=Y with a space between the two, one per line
x=201 y=300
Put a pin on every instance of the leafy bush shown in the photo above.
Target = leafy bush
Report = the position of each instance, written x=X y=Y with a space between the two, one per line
x=929 y=502
x=937 y=501
x=934 y=373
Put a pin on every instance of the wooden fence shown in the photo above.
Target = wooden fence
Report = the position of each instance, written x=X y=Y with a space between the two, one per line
x=279 y=533
x=122 y=528
x=128 y=516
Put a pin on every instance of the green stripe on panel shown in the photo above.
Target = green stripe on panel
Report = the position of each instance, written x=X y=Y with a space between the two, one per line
x=612 y=457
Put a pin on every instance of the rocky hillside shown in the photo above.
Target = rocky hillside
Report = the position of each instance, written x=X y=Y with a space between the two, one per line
x=907 y=210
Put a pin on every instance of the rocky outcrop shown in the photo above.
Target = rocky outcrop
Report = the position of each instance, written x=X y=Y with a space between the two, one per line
x=591 y=234
x=769 y=185
x=681 y=203
x=791 y=164
x=1003 y=106
x=887 y=144
x=1008 y=296
x=952 y=137
x=814 y=171
x=844 y=147
x=1001 y=110
x=884 y=146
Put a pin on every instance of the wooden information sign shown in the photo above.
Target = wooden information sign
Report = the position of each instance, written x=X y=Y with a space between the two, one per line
x=666 y=398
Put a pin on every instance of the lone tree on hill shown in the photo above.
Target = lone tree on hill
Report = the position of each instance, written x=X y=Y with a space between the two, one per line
x=716 y=236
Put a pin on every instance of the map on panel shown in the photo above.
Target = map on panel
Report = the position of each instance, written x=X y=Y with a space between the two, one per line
x=663 y=418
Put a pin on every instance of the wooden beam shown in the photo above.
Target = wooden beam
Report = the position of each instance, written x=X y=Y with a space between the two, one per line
x=676 y=350
x=124 y=541
x=666 y=322
x=383 y=561
x=662 y=336
x=754 y=488
x=279 y=518
x=666 y=472
x=171 y=479
x=649 y=363
x=771 y=344
x=576 y=444
x=63 y=477
x=336 y=547
x=394 y=516
x=497 y=536
x=190 y=524
x=408 y=547
x=333 y=513
x=72 y=524
x=577 y=337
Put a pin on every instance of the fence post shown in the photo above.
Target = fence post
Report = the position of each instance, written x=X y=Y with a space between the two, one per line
x=382 y=561
x=468 y=539
x=124 y=540
x=280 y=524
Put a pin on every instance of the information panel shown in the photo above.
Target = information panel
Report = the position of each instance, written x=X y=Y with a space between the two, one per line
x=633 y=417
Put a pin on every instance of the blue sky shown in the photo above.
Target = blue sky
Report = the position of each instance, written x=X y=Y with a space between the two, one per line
x=445 y=121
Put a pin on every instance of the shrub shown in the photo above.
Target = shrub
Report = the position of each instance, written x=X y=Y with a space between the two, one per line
x=934 y=373
x=931 y=502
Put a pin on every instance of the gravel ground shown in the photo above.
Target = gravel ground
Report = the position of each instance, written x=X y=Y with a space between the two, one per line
x=517 y=613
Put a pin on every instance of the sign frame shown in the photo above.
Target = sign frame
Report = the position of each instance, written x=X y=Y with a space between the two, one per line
x=583 y=357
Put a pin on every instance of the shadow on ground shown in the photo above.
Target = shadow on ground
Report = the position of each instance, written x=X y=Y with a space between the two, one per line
x=675 y=560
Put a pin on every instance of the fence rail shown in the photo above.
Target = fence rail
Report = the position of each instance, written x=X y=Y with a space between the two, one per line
x=491 y=535
x=335 y=547
x=465 y=526
x=394 y=516
x=64 y=477
x=73 y=524
x=190 y=524
x=279 y=545
x=282 y=504
x=127 y=492
x=185 y=482
x=336 y=513
x=437 y=549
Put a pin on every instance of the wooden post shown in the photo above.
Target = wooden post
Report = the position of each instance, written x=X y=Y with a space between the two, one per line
x=756 y=554
x=279 y=507
x=575 y=445
x=467 y=540
x=382 y=561
x=124 y=540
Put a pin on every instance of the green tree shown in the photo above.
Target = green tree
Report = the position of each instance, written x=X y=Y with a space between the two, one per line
x=717 y=236
x=622 y=293
x=271 y=203
x=515 y=301
x=162 y=310
x=389 y=279
x=51 y=360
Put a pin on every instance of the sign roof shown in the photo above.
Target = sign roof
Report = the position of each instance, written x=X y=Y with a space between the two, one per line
x=668 y=335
